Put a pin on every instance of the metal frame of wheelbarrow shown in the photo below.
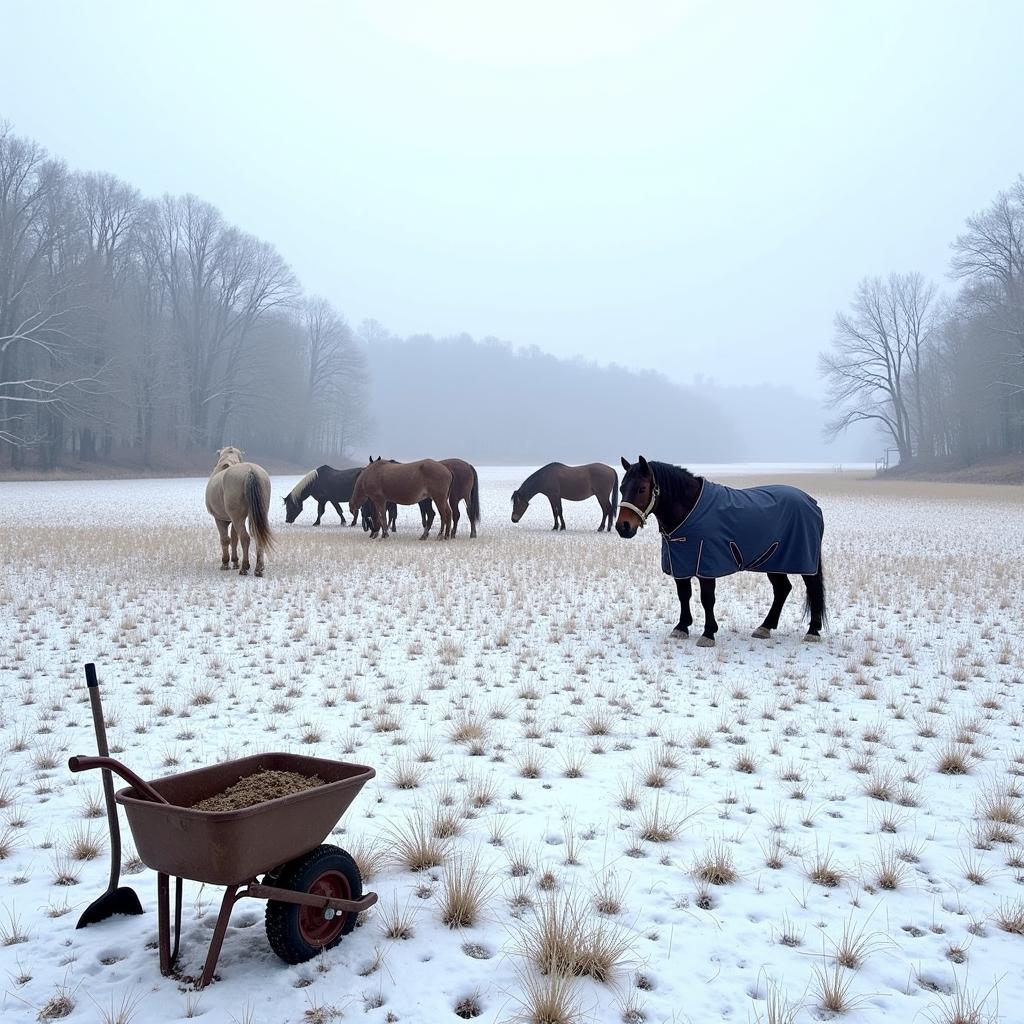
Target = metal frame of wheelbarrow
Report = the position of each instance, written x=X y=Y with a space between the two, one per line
x=232 y=848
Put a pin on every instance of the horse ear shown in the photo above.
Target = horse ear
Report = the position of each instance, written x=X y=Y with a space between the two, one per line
x=625 y=464
x=643 y=464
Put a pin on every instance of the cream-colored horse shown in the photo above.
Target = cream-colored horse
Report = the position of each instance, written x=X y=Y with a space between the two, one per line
x=237 y=490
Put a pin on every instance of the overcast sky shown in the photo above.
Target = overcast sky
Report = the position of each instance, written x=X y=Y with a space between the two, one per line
x=694 y=187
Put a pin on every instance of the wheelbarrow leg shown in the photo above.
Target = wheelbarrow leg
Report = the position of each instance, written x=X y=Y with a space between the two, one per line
x=231 y=897
x=168 y=955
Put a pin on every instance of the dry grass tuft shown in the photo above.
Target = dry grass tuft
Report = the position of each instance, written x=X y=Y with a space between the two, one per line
x=413 y=843
x=715 y=865
x=464 y=892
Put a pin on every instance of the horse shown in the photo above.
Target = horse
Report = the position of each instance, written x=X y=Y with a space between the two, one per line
x=709 y=531
x=465 y=487
x=573 y=483
x=405 y=483
x=327 y=484
x=235 y=491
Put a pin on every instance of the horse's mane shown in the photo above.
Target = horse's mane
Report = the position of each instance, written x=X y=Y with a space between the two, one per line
x=677 y=483
x=532 y=478
x=304 y=486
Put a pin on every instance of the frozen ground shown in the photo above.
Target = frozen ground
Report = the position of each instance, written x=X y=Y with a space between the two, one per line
x=739 y=834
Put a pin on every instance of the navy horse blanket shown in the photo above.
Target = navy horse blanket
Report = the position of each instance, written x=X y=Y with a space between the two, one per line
x=761 y=529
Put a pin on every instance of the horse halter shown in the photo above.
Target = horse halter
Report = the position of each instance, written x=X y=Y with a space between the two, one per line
x=644 y=514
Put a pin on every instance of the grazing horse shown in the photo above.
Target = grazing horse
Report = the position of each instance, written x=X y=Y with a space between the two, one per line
x=236 y=491
x=405 y=483
x=465 y=487
x=327 y=484
x=571 y=483
x=709 y=530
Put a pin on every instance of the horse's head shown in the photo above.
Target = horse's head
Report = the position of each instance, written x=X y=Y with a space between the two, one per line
x=292 y=508
x=639 y=496
x=229 y=456
x=519 y=506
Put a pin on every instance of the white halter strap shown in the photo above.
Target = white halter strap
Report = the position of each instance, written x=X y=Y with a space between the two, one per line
x=644 y=514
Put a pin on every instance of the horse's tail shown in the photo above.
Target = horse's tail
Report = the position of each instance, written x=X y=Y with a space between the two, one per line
x=258 y=498
x=814 y=601
x=615 y=492
x=474 y=499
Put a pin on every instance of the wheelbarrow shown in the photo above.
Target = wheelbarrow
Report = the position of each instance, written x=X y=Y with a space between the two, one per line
x=314 y=891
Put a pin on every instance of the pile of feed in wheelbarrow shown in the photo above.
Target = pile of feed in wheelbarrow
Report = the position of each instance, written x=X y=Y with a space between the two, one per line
x=258 y=788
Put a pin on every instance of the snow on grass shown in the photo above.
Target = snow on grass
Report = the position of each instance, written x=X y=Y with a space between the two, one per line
x=574 y=814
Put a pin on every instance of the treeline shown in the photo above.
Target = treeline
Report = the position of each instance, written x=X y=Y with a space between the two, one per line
x=495 y=403
x=942 y=377
x=149 y=326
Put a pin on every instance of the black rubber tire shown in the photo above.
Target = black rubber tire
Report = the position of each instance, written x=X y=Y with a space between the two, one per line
x=286 y=933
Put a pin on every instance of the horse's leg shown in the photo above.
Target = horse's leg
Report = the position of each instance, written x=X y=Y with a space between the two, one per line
x=707 y=601
x=337 y=508
x=222 y=529
x=320 y=507
x=243 y=536
x=815 y=604
x=234 y=546
x=456 y=515
x=392 y=517
x=555 y=509
x=685 y=591
x=781 y=588
x=445 y=509
x=381 y=516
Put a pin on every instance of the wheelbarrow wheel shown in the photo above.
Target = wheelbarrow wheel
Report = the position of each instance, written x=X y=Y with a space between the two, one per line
x=295 y=933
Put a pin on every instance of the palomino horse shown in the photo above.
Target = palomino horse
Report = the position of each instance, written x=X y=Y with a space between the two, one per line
x=708 y=531
x=465 y=487
x=405 y=483
x=326 y=484
x=235 y=491
x=569 y=483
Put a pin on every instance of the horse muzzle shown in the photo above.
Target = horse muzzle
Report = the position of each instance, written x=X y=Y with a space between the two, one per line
x=625 y=529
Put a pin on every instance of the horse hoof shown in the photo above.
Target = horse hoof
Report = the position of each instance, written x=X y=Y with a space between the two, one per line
x=761 y=633
x=243 y=572
x=812 y=638
x=224 y=565
x=680 y=631
x=258 y=572
x=706 y=641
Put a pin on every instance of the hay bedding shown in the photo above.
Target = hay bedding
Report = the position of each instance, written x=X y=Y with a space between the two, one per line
x=257 y=789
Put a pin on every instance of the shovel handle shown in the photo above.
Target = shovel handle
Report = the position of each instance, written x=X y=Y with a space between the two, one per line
x=81 y=763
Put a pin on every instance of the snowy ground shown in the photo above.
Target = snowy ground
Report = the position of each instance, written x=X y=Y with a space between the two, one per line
x=603 y=777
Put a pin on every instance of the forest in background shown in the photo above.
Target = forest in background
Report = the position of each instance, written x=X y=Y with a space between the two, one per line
x=141 y=332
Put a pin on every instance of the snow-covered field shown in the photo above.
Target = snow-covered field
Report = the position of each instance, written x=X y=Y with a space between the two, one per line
x=747 y=833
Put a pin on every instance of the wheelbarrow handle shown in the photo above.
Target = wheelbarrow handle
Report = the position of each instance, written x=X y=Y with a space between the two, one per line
x=80 y=763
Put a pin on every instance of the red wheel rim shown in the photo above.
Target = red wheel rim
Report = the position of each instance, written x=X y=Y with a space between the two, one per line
x=314 y=927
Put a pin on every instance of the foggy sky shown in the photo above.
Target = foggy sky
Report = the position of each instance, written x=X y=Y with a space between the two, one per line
x=693 y=187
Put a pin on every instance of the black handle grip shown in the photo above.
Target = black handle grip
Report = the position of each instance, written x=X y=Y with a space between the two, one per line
x=90 y=675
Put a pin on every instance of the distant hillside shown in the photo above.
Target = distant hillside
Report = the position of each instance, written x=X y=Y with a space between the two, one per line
x=493 y=404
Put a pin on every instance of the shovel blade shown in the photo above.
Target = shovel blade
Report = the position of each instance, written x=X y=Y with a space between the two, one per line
x=120 y=901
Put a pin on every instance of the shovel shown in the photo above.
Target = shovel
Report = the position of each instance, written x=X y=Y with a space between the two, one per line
x=115 y=900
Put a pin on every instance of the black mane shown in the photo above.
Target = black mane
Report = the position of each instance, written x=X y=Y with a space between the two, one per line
x=676 y=482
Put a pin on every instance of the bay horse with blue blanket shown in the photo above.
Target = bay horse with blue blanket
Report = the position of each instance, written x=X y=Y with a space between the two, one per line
x=709 y=531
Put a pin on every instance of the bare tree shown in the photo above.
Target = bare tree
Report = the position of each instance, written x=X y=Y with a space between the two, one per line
x=874 y=368
x=335 y=374
x=220 y=283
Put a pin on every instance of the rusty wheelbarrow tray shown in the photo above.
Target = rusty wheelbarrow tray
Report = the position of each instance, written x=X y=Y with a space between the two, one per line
x=314 y=891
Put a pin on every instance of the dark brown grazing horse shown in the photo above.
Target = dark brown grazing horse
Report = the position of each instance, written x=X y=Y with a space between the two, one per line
x=465 y=487
x=570 y=483
x=405 y=483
